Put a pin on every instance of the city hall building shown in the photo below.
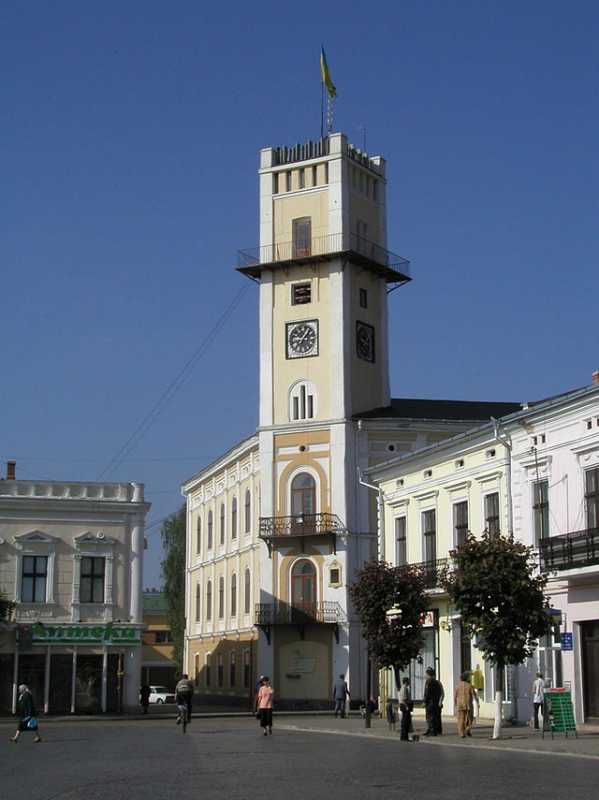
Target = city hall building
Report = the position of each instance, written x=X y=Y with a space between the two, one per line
x=71 y=565
x=278 y=526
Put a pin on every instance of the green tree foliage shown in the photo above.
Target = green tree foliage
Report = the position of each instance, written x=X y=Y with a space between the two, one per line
x=173 y=578
x=394 y=639
x=498 y=596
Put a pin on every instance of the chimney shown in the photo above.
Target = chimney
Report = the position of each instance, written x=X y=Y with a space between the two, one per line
x=595 y=376
x=11 y=467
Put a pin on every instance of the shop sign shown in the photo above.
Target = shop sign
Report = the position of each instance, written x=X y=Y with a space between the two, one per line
x=567 y=643
x=85 y=634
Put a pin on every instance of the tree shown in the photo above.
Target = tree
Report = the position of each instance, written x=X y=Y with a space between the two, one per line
x=173 y=534
x=395 y=638
x=500 y=599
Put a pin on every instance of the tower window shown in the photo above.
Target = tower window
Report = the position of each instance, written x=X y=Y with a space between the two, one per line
x=326 y=172
x=301 y=293
x=363 y=298
x=302 y=178
x=288 y=181
x=314 y=176
x=375 y=186
x=302 y=401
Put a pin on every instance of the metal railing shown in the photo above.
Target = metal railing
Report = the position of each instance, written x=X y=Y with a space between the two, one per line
x=300 y=525
x=323 y=246
x=7 y=611
x=431 y=571
x=323 y=613
x=570 y=550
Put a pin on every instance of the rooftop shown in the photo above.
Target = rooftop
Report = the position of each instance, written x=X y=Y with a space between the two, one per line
x=458 y=410
x=154 y=601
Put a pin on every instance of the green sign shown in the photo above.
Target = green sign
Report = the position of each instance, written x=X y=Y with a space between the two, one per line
x=85 y=634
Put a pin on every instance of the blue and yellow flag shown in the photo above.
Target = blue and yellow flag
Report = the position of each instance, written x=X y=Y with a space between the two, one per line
x=326 y=75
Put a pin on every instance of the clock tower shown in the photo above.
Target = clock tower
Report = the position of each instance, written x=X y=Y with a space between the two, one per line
x=324 y=273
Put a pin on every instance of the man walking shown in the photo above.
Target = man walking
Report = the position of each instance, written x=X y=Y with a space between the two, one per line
x=405 y=706
x=538 y=689
x=340 y=694
x=434 y=695
x=464 y=698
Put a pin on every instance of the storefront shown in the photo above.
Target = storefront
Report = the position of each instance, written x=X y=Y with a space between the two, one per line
x=74 y=668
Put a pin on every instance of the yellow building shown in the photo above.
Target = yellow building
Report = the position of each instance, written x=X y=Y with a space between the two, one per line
x=158 y=667
x=279 y=524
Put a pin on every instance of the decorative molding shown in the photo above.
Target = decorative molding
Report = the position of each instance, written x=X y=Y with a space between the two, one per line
x=429 y=494
x=489 y=476
x=458 y=485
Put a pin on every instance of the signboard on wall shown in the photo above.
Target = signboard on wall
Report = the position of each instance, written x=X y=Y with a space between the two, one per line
x=302 y=665
x=85 y=634
x=566 y=640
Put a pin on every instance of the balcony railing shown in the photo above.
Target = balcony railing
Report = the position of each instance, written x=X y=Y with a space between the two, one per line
x=324 y=613
x=570 y=550
x=432 y=571
x=395 y=267
x=273 y=528
x=7 y=611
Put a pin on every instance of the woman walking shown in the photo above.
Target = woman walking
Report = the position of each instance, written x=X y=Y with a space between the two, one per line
x=264 y=703
x=27 y=716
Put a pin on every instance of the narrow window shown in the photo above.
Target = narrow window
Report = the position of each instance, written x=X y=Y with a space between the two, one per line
x=429 y=530
x=222 y=524
x=91 y=589
x=234 y=518
x=234 y=595
x=326 y=172
x=363 y=298
x=303 y=401
x=208 y=666
x=310 y=406
x=541 y=510
x=220 y=675
x=592 y=497
x=221 y=597
x=198 y=602
x=247 y=592
x=232 y=670
x=248 y=511
x=210 y=530
x=375 y=190
x=301 y=235
x=460 y=523
x=302 y=178
x=492 y=512
x=288 y=181
x=296 y=408
x=246 y=669
x=275 y=183
x=199 y=535
x=33 y=579
x=401 y=545
x=314 y=176
x=209 y=600
x=196 y=670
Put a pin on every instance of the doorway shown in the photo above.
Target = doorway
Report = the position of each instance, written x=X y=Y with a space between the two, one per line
x=590 y=668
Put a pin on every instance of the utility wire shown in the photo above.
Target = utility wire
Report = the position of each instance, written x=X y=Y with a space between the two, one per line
x=173 y=387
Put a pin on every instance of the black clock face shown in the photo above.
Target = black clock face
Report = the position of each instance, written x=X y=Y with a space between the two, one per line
x=302 y=339
x=365 y=341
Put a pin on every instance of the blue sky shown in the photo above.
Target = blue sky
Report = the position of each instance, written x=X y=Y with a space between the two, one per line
x=129 y=140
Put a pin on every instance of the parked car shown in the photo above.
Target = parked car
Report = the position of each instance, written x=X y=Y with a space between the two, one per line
x=160 y=694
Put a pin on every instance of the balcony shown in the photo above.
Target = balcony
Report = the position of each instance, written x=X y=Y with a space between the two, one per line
x=7 y=611
x=273 y=528
x=432 y=572
x=570 y=550
x=323 y=613
x=357 y=249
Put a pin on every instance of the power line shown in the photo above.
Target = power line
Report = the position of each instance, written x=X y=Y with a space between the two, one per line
x=173 y=387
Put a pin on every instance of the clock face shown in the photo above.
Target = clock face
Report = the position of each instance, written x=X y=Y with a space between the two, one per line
x=365 y=341
x=302 y=338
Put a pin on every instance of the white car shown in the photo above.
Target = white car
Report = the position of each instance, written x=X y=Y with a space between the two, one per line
x=160 y=694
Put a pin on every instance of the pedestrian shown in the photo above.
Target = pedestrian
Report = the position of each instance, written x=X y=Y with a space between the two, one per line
x=463 y=699
x=538 y=690
x=264 y=704
x=391 y=715
x=27 y=714
x=405 y=706
x=144 y=697
x=434 y=694
x=340 y=694
x=184 y=696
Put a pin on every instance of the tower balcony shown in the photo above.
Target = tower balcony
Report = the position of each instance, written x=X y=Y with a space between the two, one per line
x=300 y=525
x=298 y=614
x=390 y=266
x=570 y=551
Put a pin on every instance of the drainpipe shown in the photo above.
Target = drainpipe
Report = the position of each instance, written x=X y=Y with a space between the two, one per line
x=380 y=514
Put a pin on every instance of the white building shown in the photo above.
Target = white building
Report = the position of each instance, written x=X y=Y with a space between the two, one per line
x=71 y=562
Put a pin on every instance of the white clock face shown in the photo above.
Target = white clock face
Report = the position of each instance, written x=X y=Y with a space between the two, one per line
x=302 y=338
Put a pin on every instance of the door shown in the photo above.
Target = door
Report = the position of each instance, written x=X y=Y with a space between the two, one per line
x=302 y=237
x=303 y=591
x=590 y=668
x=303 y=496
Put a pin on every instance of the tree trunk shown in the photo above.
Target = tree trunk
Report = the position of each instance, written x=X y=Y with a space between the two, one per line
x=498 y=701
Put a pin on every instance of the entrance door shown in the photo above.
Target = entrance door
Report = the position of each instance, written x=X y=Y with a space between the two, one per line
x=590 y=667
x=303 y=590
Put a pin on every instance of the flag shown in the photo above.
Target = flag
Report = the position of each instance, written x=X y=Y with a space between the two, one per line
x=326 y=75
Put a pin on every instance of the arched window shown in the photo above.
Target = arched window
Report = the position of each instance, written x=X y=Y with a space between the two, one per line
x=222 y=523
x=209 y=600
x=220 y=669
x=196 y=669
x=248 y=511
x=221 y=598
x=199 y=535
x=207 y=668
x=303 y=495
x=302 y=401
x=233 y=611
x=198 y=601
x=303 y=585
x=247 y=591
x=210 y=530
x=234 y=518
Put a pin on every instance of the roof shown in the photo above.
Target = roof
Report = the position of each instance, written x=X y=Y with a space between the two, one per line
x=458 y=410
x=154 y=602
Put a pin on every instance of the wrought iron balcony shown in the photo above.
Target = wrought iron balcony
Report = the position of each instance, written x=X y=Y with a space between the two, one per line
x=7 y=611
x=570 y=550
x=391 y=266
x=272 y=528
x=299 y=614
x=432 y=571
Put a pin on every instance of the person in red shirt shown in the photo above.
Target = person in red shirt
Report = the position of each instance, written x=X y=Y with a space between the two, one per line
x=264 y=704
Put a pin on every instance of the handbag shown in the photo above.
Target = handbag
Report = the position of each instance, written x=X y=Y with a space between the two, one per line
x=31 y=724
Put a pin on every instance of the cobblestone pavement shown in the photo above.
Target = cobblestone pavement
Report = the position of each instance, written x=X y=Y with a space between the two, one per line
x=229 y=758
